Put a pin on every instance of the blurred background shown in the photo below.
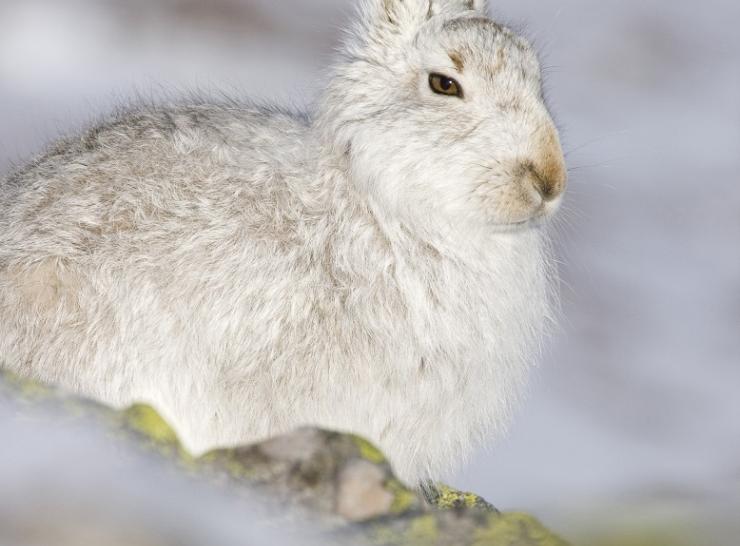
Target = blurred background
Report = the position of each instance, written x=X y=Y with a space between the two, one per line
x=633 y=420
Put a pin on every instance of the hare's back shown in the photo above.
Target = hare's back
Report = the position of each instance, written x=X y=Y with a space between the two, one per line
x=152 y=180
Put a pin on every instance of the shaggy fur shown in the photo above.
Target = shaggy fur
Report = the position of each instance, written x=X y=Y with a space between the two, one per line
x=376 y=266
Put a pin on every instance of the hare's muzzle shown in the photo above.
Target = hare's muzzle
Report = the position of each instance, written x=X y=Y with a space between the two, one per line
x=545 y=170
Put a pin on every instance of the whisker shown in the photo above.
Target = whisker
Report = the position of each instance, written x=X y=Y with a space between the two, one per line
x=587 y=166
x=592 y=141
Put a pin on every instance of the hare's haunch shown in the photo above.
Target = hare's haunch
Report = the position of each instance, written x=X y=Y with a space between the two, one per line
x=376 y=266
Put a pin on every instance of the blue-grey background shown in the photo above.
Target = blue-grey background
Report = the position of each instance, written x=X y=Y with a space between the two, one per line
x=635 y=410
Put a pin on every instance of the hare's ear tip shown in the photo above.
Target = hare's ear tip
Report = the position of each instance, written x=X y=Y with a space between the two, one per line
x=478 y=5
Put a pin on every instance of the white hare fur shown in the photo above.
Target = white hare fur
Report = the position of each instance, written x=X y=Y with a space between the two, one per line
x=376 y=266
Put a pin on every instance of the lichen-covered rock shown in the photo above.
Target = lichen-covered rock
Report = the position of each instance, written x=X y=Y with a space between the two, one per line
x=337 y=482
x=445 y=497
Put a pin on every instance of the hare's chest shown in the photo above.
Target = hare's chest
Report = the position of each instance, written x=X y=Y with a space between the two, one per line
x=482 y=321
x=457 y=316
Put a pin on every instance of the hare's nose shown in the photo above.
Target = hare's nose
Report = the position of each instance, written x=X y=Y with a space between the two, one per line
x=549 y=181
x=545 y=168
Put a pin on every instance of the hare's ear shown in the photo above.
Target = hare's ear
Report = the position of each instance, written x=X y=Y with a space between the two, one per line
x=395 y=16
x=381 y=20
x=457 y=6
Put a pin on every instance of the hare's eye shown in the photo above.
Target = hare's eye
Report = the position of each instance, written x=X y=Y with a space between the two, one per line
x=445 y=86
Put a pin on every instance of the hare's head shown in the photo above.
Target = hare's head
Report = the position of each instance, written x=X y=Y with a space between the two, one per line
x=441 y=112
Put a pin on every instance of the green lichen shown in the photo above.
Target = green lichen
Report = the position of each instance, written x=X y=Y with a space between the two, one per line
x=403 y=498
x=230 y=462
x=145 y=422
x=445 y=497
x=368 y=451
x=513 y=529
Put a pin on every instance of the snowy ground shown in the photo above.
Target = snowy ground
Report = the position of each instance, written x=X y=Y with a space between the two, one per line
x=636 y=404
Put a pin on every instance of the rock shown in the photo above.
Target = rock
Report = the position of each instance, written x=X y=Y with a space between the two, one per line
x=338 y=484
x=361 y=492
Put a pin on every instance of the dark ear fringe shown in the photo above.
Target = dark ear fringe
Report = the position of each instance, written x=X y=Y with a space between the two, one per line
x=388 y=9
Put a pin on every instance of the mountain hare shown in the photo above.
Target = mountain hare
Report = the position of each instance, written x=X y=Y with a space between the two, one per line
x=375 y=266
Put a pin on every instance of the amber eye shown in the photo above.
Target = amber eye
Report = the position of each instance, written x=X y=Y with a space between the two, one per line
x=443 y=85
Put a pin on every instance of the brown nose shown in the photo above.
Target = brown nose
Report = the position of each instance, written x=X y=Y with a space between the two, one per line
x=546 y=170
x=548 y=181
